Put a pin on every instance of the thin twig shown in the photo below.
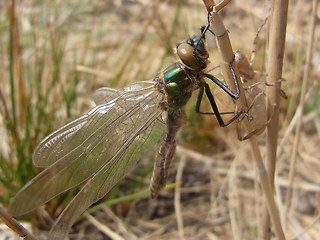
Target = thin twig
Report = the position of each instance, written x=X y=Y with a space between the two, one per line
x=235 y=212
x=177 y=197
x=103 y=228
x=14 y=225
x=293 y=122
x=316 y=220
x=126 y=232
x=208 y=4
x=220 y=5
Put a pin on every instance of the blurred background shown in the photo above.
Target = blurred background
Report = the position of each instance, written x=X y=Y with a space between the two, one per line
x=55 y=54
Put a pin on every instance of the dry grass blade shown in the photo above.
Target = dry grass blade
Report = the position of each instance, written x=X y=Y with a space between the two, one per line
x=220 y=5
x=278 y=23
x=15 y=226
x=316 y=220
x=209 y=4
x=177 y=197
x=120 y=224
x=103 y=228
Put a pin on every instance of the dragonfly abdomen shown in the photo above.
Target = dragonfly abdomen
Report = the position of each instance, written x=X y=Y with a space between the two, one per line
x=176 y=118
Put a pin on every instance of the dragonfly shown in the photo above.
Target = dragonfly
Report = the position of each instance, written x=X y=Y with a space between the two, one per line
x=99 y=148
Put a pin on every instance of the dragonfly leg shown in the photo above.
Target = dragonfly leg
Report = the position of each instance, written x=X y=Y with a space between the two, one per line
x=236 y=95
x=204 y=29
x=214 y=107
x=225 y=87
x=195 y=53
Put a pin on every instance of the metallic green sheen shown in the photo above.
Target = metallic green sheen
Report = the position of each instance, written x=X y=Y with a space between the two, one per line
x=177 y=86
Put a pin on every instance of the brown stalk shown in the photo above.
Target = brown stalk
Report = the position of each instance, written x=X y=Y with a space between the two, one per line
x=14 y=225
x=17 y=67
x=227 y=55
x=277 y=33
x=177 y=197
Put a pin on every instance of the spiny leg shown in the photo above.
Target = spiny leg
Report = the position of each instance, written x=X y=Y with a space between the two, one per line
x=204 y=29
x=214 y=106
x=225 y=87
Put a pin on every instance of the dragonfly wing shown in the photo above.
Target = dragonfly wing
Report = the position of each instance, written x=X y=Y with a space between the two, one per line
x=105 y=94
x=77 y=157
x=52 y=148
x=101 y=183
x=61 y=142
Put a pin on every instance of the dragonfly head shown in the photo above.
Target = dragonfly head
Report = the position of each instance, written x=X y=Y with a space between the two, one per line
x=193 y=53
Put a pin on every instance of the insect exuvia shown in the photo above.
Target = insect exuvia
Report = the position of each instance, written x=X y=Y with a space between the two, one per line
x=100 y=147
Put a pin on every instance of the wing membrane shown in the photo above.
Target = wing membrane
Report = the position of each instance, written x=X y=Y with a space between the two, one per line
x=101 y=183
x=77 y=151
x=105 y=94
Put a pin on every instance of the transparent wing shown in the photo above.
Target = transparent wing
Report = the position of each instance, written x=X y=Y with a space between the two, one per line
x=105 y=94
x=101 y=183
x=98 y=140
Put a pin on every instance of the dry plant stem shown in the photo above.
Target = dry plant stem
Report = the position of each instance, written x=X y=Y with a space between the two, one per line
x=121 y=227
x=208 y=4
x=226 y=53
x=16 y=67
x=315 y=221
x=220 y=5
x=293 y=122
x=277 y=33
x=103 y=228
x=84 y=69
x=15 y=226
x=301 y=105
x=234 y=204
x=298 y=62
x=177 y=197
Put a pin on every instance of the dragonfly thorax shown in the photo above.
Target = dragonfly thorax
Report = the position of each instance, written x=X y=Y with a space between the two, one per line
x=177 y=85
